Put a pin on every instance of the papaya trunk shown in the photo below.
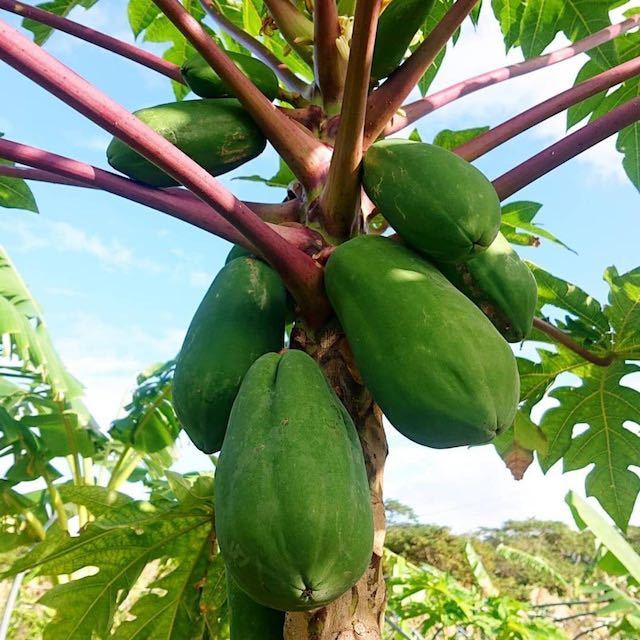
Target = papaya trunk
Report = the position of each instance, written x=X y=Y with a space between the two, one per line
x=359 y=613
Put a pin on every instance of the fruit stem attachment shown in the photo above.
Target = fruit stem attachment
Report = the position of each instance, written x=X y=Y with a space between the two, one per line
x=387 y=99
x=328 y=62
x=541 y=112
x=567 y=148
x=136 y=54
x=339 y=200
x=285 y=75
x=178 y=203
x=306 y=156
x=295 y=27
x=415 y=110
x=560 y=336
x=301 y=275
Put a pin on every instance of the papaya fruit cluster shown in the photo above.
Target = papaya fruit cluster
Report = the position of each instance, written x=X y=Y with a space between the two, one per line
x=214 y=131
x=293 y=513
x=428 y=318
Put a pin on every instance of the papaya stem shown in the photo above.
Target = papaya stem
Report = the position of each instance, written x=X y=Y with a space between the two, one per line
x=328 y=63
x=415 y=110
x=178 y=203
x=307 y=157
x=284 y=74
x=387 y=99
x=541 y=112
x=299 y=272
x=566 y=340
x=295 y=27
x=340 y=197
x=136 y=54
x=567 y=148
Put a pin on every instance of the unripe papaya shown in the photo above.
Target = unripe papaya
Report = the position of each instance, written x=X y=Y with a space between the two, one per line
x=397 y=27
x=237 y=251
x=501 y=285
x=206 y=83
x=218 y=134
x=250 y=620
x=437 y=202
x=438 y=368
x=293 y=512
x=240 y=318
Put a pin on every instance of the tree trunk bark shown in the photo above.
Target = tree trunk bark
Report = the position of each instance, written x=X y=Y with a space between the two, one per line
x=359 y=613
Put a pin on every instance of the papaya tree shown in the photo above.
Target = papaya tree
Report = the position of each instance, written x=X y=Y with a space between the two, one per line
x=341 y=304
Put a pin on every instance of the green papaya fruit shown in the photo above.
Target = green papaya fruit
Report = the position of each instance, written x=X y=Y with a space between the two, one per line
x=438 y=368
x=206 y=83
x=240 y=318
x=293 y=512
x=501 y=285
x=397 y=26
x=218 y=134
x=437 y=202
x=237 y=251
x=250 y=620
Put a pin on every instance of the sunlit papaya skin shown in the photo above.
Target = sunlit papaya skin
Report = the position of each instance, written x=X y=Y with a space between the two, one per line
x=439 y=204
x=241 y=317
x=438 y=368
x=292 y=501
x=218 y=134
x=501 y=285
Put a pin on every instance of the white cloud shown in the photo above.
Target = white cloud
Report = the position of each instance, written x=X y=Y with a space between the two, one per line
x=200 y=278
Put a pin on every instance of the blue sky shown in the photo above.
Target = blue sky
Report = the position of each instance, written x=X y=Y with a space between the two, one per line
x=119 y=282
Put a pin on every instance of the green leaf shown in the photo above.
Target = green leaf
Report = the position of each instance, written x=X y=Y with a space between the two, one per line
x=120 y=544
x=629 y=145
x=141 y=14
x=528 y=435
x=539 y=25
x=517 y=217
x=585 y=516
x=98 y=500
x=150 y=423
x=450 y=139
x=509 y=14
x=281 y=180
x=479 y=571
x=15 y=193
x=623 y=311
x=564 y=295
x=604 y=405
x=582 y=110
x=41 y=32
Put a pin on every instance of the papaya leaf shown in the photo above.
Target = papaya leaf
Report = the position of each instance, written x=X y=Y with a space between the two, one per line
x=98 y=500
x=141 y=14
x=539 y=25
x=568 y=297
x=580 y=18
x=15 y=193
x=509 y=14
x=280 y=180
x=623 y=311
x=537 y=377
x=150 y=423
x=604 y=405
x=41 y=32
x=578 y=112
x=451 y=139
x=438 y=11
x=518 y=216
x=119 y=544
x=586 y=516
